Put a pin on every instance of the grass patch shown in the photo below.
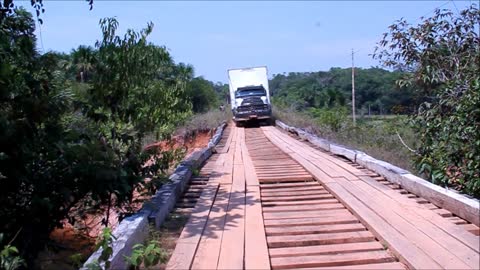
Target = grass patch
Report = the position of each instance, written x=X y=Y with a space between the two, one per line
x=198 y=123
x=168 y=234
x=376 y=136
x=205 y=121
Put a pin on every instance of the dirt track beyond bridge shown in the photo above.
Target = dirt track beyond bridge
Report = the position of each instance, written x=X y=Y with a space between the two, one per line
x=266 y=200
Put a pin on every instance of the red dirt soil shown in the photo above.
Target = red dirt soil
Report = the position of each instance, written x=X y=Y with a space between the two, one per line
x=81 y=237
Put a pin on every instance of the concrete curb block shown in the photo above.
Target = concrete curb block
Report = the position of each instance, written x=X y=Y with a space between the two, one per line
x=134 y=229
x=130 y=229
x=324 y=144
x=343 y=151
x=217 y=136
x=451 y=200
x=385 y=169
x=461 y=205
x=281 y=125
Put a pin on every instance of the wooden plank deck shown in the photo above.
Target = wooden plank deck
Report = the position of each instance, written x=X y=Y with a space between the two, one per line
x=231 y=234
x=273 y=202
x=421 y=237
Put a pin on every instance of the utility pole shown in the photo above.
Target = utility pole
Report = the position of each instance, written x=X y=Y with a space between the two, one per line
x=353 y=90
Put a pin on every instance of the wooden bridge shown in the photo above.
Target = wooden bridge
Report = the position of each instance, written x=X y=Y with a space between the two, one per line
x=266 y=200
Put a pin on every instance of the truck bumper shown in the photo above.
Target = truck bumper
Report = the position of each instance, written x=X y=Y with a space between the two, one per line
x=245 y=116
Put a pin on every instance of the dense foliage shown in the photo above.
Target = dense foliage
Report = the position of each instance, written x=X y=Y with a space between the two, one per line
x=443 y=53
x=7 y=7
x=202 y=95
x=66 y=144
x=375 y=90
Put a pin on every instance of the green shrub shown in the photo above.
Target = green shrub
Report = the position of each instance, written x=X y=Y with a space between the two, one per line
x=9 y=258
x=147 y=255
x=332 y=118
x=65 y=146
x=443 y=52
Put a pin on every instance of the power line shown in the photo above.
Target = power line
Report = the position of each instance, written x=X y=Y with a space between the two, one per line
x=444 y=4
x=453 y=2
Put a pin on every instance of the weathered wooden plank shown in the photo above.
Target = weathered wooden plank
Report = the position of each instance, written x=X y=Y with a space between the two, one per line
x=445 y=260
x=183 y=255
x=373 y=266
x=430 y=216
x=329 y=164
x=403 y=248
x=295 y=208
x=208 y=251
x=295 y=193
x=319 y=239
x=302 y=214
x=331 y=218
x=442 y=247
x=250 y=172
x=233 y=243
x=274 y=179
x=340 y=259
x=288 y=185
x=256 y=250
x=471 y=228
x=299 y=157
x=280 y=170
x=297 y=198
x=298 y=203
x=228 y=143
x=299 y=230
x=293 y=189
x=325 y=249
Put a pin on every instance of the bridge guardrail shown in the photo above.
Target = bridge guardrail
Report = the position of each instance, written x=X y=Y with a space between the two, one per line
x=134 y=229
x=461 y=205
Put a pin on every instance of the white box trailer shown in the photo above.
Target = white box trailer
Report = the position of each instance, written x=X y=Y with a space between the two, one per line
x=249 y=93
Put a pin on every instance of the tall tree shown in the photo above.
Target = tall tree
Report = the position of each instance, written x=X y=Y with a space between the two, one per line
x=84 y=60
x=201 y=94
x=60 y=150
x=443 y=52
x=7 y=7
x=40 y=151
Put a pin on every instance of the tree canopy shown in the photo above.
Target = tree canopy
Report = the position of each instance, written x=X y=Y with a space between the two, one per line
x=7 y=7
x=375 y=89
x=202 y=94
x=66 y=144
x=443 y=54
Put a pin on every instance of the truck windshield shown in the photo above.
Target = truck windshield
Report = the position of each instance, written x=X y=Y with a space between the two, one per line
x=250 y=92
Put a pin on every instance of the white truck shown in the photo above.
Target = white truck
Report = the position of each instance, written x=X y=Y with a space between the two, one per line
x=249 y=94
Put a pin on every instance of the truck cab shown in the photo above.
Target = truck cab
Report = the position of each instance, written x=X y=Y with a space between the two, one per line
x=249 y=94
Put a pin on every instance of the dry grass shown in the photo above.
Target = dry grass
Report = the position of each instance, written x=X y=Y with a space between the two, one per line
x=198 y=123
x=377 y=137
x=204 y=122
x=168 y=235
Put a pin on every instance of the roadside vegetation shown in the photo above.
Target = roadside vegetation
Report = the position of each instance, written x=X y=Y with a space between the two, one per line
x=206 y=121
x=73 y=127
x=376 y=135
x=430 y=99
x=442 y=54
x=376 y=92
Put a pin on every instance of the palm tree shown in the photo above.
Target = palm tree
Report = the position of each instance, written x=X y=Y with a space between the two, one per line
x=184 y=72
x=84 y=61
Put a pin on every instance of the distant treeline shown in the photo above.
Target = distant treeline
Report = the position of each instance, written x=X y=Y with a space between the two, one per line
x=376 y=91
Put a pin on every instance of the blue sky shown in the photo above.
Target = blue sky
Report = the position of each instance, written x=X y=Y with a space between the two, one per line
x=214 y=36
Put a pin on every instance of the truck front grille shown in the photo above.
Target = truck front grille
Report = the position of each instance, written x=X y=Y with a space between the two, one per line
x=250 y=108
